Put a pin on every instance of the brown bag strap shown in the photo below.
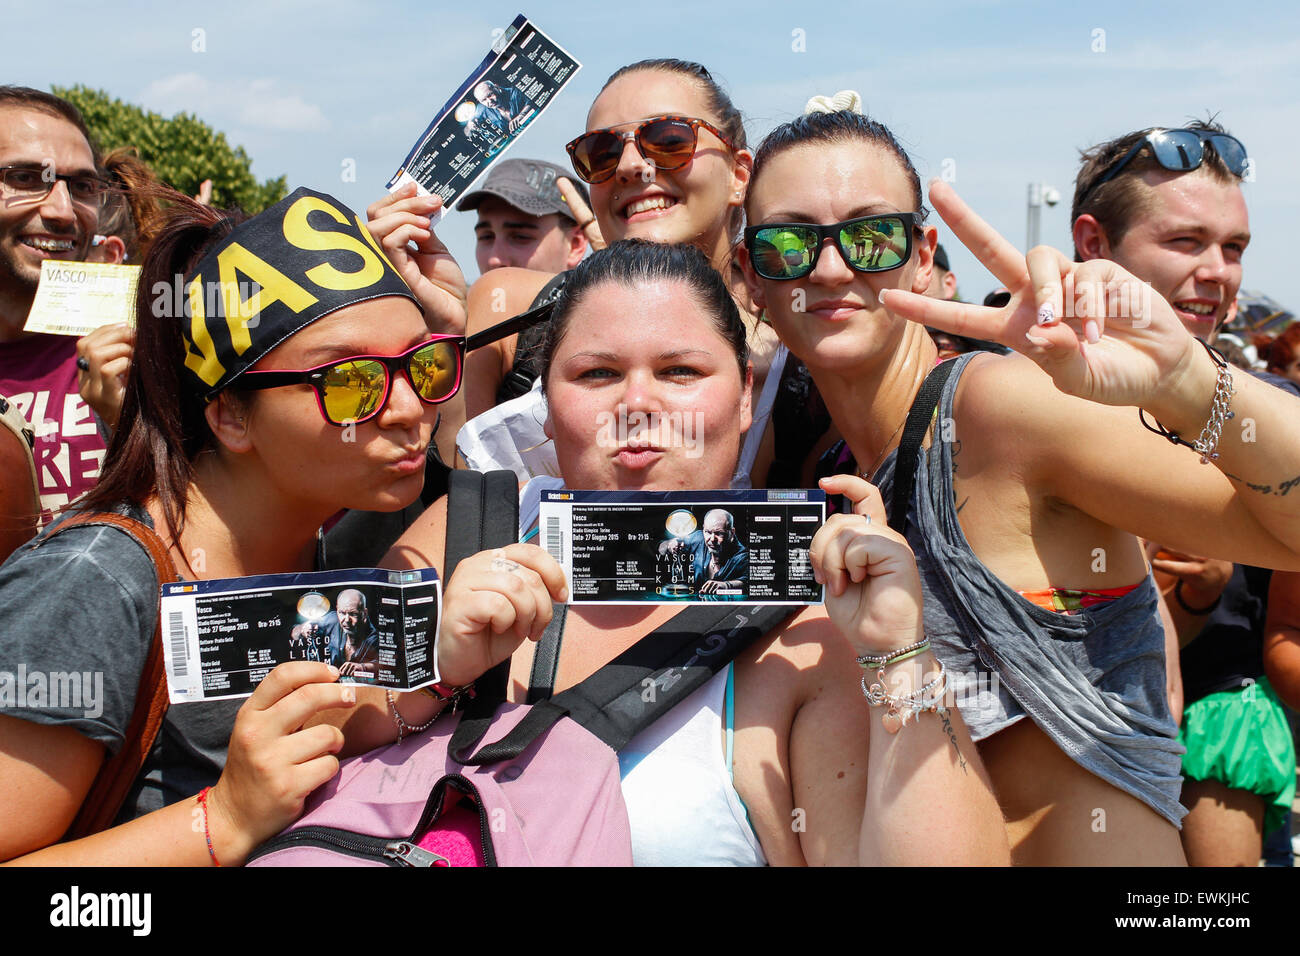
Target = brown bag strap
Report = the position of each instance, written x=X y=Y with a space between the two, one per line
x=113 y=782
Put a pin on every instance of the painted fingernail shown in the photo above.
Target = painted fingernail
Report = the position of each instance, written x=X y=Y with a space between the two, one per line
x=1091 y=332
x=1046 y=314
x=349 y=695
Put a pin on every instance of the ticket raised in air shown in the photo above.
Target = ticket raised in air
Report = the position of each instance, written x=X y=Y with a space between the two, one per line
x=684 y=547
x=222 y=637
x=75 y=298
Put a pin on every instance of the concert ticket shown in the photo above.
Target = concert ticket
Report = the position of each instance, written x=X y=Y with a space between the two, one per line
x=377 y=627
x=516 y=81
x=696 y=547
x=75 y=298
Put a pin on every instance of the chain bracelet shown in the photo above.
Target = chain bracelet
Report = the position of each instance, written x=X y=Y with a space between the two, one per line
x=1207 y=444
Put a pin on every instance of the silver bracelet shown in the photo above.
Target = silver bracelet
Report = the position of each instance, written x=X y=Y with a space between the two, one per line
x=903 y=707
x=893 y=657
x=1207 y=444
x=403 y=728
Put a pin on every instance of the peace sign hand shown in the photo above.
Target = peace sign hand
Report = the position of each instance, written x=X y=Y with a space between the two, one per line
x=1098 y=331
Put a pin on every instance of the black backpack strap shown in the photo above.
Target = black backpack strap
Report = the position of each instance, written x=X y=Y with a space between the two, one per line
x=909 y=446
x=546 y=657
x=482 y=512
x=643 y=683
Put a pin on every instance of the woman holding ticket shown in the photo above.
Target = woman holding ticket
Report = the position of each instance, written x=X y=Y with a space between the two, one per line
x=793 y=754
x=1037 y=475
x=294 y=376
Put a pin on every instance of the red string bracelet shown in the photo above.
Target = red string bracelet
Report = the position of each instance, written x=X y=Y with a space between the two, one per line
x=207 y=834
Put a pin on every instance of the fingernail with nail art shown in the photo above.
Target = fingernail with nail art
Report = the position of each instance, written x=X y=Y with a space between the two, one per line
x=1046 y=314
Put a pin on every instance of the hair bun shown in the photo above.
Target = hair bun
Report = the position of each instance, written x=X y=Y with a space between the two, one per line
x=843 y=100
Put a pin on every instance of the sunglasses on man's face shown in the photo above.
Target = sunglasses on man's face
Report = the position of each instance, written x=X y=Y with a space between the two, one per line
x=355 y=390
x=1181 y=151
x=789 y=250
x=666 y=142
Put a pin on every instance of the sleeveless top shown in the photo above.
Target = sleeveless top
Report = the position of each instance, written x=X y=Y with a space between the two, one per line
x=1094 y=681
x=681 y=802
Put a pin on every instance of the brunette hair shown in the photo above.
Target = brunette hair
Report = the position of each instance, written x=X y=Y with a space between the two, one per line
x=162 y=429
x=837 y=127
x=133 y=211
x=632 y=261
x=1117 y=203
x=24 y=97
x=1283 y=350
x=724 y=110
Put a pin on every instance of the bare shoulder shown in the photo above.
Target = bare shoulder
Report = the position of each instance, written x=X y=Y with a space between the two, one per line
x=423 y=544
x=503 y=293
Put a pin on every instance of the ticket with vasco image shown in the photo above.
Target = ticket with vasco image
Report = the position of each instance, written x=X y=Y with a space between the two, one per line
x=684 y=547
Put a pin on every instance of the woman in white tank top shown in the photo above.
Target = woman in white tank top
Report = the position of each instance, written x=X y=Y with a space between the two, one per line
x=813 y=777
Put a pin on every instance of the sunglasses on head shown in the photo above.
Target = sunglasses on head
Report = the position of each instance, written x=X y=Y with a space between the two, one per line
x=666 y=142
x=355 y=390
x=789 y=250
x=1181 y=151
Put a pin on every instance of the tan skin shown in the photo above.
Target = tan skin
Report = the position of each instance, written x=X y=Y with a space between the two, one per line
x=1035 y=501
x=804 y=737
x=19 y=505
x=703 y=195
x=277 y=472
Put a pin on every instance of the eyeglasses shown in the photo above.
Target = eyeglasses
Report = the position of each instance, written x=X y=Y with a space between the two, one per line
x=31 y=184
x=355 y=389
x=667 y=142
x=789 y=250
x=1180 y=151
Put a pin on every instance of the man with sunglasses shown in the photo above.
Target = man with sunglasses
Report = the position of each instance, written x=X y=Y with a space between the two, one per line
x=1167 y=205
x=50 y=195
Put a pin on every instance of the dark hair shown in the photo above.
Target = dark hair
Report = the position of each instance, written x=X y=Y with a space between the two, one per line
x=724 y=110
x=632 y=261
x=837 y=127
x=1117 y=203
x=24 y=97
x=1283 y=350
x=162 y=429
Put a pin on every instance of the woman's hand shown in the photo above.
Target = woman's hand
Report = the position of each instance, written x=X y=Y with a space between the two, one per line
x=273 y=764
x=873 y=591
x=582 y=214
x=1098 y=331
x=495 y=601
x=402 y=218
x=107 y=351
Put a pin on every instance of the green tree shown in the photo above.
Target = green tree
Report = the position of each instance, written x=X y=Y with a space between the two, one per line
x=183 y=150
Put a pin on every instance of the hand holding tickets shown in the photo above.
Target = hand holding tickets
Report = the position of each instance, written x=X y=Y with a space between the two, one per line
x=76 y=298
x=873 y=591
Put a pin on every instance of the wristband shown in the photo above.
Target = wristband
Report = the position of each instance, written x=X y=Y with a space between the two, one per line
x=1178 y=596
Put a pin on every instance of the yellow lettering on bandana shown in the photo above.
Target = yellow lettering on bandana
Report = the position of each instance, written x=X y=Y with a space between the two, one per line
x=365 y=234
x=205 y=365
x=274 y=285
x=299 y=232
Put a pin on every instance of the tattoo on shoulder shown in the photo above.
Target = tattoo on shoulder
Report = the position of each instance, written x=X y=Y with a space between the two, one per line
x=1281 y=489
x=952 y=735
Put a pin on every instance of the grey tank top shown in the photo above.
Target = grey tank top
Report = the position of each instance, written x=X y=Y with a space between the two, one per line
x=1094 y=681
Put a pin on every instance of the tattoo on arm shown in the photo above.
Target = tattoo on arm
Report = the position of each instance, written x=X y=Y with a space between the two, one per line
x=1281 y=490
x=952 y=735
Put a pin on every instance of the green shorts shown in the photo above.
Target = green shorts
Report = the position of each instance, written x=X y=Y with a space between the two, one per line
x=1241 y=739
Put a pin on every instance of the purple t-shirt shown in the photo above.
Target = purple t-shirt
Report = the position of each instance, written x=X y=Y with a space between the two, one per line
x=39 y=375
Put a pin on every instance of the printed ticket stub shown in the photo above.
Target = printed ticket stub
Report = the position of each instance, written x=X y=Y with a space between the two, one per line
x=75 y=298
x=511 y=87
x=696 y=547
x=221 y=637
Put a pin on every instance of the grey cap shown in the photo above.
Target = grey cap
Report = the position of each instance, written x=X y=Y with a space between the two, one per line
x=526 y=184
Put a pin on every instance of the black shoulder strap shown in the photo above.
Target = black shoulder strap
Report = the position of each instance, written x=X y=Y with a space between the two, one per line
x=482 y=512
x=909 y=446
x=546 y=657
x=639 y=686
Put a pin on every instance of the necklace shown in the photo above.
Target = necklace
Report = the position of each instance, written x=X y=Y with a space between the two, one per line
x=866 y=475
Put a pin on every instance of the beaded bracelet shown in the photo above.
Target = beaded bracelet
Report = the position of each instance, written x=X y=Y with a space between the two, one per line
x=893 y=657
x=403 y=728
x=207 y=833
x=903 y=707
x=1208 y=442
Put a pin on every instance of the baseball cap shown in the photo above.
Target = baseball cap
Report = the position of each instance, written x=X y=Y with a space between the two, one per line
x=526 y=184
x=941 y=258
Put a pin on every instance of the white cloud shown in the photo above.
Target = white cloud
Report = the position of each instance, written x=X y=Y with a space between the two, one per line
x=257 y=103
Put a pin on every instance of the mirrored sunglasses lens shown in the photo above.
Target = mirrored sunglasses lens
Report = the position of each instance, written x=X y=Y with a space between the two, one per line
x=434 y=371
x=352 y=391
x=667 y=143
x=874 y=245
x=1178 y=150
x=783 y=253
x=597 y=154
x=1231 y=152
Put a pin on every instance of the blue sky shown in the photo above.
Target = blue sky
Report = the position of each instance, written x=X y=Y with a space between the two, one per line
x=1007 y=92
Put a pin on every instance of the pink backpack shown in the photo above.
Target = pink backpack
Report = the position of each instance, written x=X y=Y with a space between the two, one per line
x=514 y=784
